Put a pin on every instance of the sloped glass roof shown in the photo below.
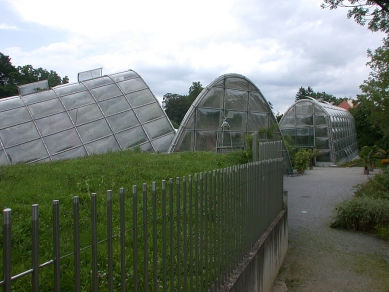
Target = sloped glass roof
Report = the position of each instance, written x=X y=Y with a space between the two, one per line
x=331 y=129
x=104 y=113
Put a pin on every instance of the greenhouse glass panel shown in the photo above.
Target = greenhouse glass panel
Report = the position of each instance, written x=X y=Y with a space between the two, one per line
x=77 y=99
x=258 y=121
x=46 y=108
x=289 y=120
x=97 y=82
x=213 y=99
x=322 y=143
x=19 y=134
x=140 y=98
x=257 y=103
x=123 y=76
x=149 y=112
x=14 y=117
x=321 y=131
x=69 y=88
x=237 y=120
x=289 y=132
x=3 y=158
x=186 y=141
x=131 y=137
x=208 y=119
x=304 y=120
x=157 y=128
x=190 y=123
x=55 y=123
x=104 y=145
x=85 y=114
x=237 y=83
x=162 y=144
x=132 y=85
x=10 y=103
x=72 y=153
x=62 y=141
x=146 y=147
x=237 y=100
x=27 y=152
x=304 y=108
x=304 y=141
x=94 y=130
x=105 y=92
x=114 y=105
x=123 y=121
x=41 y=96
x=324 y=156
x=205 y=140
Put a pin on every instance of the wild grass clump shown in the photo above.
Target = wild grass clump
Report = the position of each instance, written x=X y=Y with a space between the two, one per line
x=368 y=210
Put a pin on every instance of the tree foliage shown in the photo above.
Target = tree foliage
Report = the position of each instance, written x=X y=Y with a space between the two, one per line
x=176 y=105
x=11 y=76
x=303 y=93
x=374 y=13
x=375 y=96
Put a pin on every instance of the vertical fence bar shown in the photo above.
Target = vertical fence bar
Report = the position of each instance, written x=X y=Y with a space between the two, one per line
x=171 y=232
x=76 y=243
x=7 y=235
x=35 y=248
x=109 y=241
x=214 y=232
x=135 y=236
x=201 y=234
x=191 y=237
x=95 y=281
x=155 y=248
x=178 y=195
x=56 y=247
x=185 y=235
x=164 y=257
x=205 y=226
x=196 y=236
x=122 y=240
x=145 y=241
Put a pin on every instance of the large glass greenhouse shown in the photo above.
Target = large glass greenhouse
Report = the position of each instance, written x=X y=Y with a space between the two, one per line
x=224 y=112
x=318 y=125
x=95 y=115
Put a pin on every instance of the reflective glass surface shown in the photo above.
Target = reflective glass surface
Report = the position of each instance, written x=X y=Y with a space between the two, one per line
x=107 y=113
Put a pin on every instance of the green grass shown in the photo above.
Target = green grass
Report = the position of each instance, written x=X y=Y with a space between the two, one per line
x=23 y=185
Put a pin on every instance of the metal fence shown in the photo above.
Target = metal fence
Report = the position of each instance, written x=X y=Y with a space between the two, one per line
x=186 y=234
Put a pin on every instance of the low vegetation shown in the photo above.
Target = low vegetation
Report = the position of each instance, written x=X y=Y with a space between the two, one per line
x=368 y=209
x=23 y=185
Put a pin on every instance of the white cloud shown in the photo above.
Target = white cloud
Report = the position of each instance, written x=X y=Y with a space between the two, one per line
x=8 y=27
x=279 y=45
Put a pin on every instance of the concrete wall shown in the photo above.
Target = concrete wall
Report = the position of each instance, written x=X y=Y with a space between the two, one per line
x=259 y=270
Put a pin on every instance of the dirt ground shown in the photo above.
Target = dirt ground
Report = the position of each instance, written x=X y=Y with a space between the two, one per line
x=321 y=258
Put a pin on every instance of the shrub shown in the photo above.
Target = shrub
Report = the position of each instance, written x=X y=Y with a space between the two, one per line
x=362 y=213
x=385 y=162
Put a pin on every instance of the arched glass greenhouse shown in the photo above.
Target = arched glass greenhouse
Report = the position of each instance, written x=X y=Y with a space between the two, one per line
x=318 y=125
x=95 y=115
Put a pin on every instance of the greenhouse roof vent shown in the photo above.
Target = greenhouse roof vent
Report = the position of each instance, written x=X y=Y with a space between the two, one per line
x=91 y=74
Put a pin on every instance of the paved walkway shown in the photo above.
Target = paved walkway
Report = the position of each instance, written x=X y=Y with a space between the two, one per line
x=321 y=258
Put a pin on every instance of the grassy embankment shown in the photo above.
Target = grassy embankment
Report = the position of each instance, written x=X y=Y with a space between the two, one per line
x=23 y=185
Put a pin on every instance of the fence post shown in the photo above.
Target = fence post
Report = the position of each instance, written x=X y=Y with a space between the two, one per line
x=7 y=249
x=35 y=247
x=57 y=255
x=76 y=242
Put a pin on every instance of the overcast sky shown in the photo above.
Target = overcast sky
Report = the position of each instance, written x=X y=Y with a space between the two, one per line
x=279 y=45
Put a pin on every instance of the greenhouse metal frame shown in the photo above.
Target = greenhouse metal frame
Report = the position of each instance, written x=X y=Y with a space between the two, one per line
x=95 y=115
x=320 y=125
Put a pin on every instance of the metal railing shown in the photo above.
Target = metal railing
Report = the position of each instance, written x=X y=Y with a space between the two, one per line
x=186 y=234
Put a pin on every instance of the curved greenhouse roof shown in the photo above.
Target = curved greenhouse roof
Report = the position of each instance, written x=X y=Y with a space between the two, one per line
x=95 y=115
x=328 y=128
x=224 y=112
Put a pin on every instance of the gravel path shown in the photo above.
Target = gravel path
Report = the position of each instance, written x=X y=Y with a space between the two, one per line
x=320 y=258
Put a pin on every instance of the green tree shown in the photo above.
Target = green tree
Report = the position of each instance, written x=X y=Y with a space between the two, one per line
x=303 y=93
x=11 y=77
x=375 y=13
x=176 y=105
x=375 y=96
x=8 y=74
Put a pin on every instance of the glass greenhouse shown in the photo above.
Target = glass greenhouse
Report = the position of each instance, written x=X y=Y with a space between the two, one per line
x=95 y=115
x=317 y=125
